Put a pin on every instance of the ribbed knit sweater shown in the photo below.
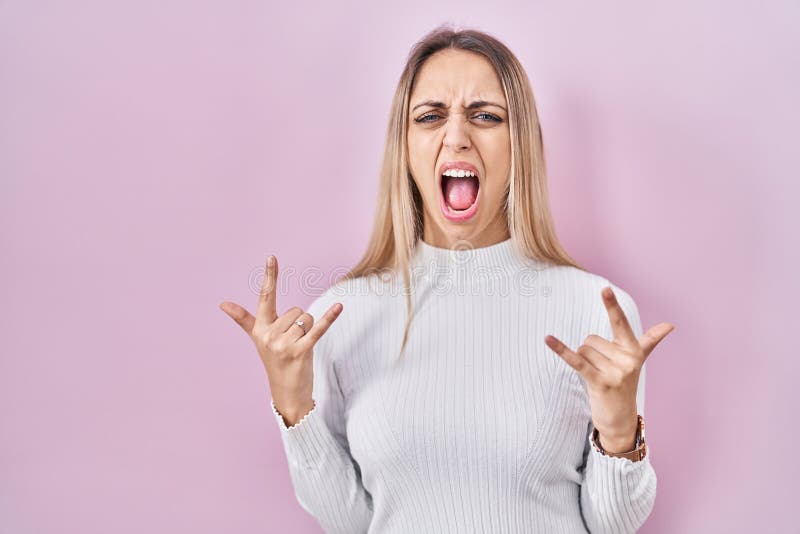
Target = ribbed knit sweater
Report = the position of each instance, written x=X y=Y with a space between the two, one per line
x=479 y=426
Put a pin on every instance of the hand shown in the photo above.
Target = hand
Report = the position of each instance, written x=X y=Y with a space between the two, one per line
x=611 y=371
x=285 y=351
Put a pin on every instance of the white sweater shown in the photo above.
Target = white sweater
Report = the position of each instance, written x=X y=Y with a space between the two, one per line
x=480 y=427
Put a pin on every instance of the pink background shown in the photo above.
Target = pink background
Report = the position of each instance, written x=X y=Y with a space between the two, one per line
x=153 y=153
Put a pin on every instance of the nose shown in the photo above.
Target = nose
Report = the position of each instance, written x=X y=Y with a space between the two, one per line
x=456 y=137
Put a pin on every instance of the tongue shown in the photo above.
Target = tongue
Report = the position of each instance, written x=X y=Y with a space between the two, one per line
x=461 y=193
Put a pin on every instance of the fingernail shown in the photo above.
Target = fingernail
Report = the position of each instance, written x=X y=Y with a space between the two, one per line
x=271 y=261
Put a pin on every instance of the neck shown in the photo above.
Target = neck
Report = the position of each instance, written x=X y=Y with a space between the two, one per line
x=454 y=241
x=464 y=264
x=494 y=233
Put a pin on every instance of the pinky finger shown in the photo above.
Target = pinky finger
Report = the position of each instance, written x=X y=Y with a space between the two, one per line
x=308 y=341
x=576 y=361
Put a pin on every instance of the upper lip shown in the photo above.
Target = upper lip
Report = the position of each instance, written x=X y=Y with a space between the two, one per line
x=458 y=165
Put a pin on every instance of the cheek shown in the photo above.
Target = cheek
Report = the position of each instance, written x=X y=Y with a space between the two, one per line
x=422 y=146
x=495 y=189
x=422 y=158
x=496 y=150
x=495 y=193
x=497 y=158
x=415 y=158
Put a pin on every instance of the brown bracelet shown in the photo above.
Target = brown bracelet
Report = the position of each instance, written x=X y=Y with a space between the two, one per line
x=640 y=448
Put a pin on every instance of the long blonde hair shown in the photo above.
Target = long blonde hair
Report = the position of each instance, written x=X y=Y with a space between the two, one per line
x=398 y=220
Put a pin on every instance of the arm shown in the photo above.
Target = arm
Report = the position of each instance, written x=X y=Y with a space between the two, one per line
x=326 y=480
x=617 y=494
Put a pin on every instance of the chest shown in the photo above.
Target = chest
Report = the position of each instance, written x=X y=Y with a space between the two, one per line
x=475 y=386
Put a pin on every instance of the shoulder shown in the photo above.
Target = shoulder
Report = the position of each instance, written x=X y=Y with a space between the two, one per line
x=353 y=293
x=575 y=284
x=364 y=300
x=577 y=288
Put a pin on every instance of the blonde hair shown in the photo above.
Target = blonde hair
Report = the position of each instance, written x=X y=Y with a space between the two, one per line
x=398 y=222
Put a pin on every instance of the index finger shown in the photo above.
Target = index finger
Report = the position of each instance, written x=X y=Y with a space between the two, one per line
x=320 y=327
x=619 y=323
x=266 y=312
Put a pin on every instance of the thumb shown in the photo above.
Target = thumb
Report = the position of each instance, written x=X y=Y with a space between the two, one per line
x=653 y=337
x=242 y=317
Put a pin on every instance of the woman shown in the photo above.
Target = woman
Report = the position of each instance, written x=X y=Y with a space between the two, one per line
x=447 y=398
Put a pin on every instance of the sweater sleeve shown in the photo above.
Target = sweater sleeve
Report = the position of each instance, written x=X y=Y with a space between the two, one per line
x=326 y=479
x=617 y=494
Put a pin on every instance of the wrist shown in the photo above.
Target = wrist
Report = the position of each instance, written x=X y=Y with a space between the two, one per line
x=618 y=443
x=293 y=412
x=620 y=438
x=621 y=448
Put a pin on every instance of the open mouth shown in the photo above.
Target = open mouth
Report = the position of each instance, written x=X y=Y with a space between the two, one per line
x=459 y=199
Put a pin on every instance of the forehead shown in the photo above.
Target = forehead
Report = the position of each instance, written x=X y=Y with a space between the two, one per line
x=456 y=75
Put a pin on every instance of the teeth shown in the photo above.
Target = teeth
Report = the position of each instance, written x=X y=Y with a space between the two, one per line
x=458 y=173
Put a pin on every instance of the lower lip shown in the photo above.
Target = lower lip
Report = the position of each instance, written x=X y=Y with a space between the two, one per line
x=458 y=216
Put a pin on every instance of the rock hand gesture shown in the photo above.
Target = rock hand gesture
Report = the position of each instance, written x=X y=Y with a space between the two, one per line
x=285 y=344
x=611 y=371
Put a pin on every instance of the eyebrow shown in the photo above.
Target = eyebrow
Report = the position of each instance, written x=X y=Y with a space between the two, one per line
x=475 y=104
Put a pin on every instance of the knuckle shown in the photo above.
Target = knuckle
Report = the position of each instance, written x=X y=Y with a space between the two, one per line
x=276 y=346
x=267 y=336
x=630 y=366
x=615 y=379
x=282 y=347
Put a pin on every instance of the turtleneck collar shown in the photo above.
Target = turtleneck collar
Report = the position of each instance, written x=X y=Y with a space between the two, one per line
x=466 y=264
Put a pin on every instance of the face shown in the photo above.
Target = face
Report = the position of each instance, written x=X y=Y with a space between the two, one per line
x=459 y=118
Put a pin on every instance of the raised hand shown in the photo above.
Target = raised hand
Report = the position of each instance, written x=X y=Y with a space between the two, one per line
x=611 y=371
x=285 y=348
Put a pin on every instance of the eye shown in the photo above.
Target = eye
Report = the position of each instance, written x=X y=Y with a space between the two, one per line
x=491 y=118
x=422 y=119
